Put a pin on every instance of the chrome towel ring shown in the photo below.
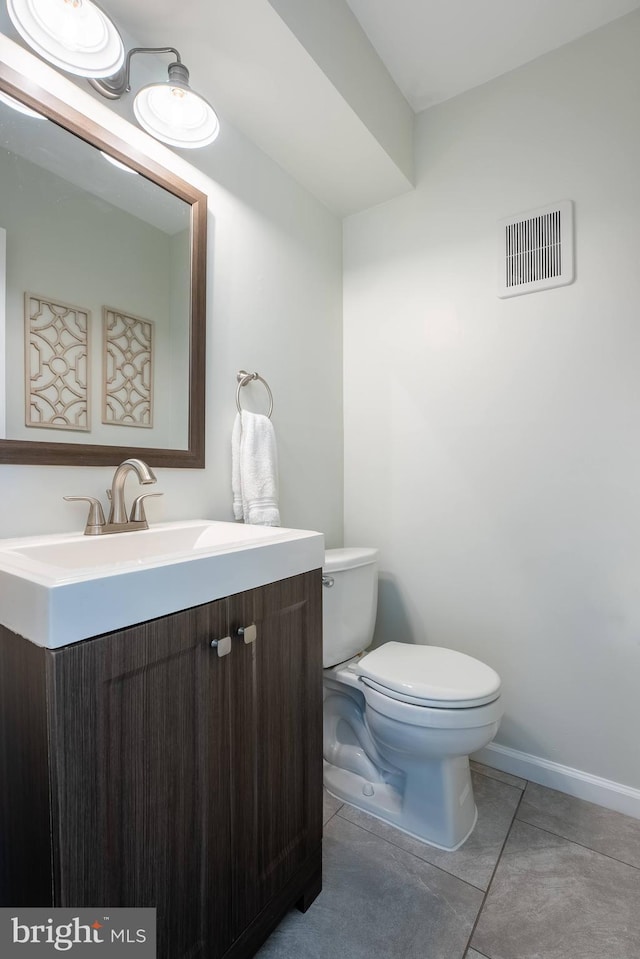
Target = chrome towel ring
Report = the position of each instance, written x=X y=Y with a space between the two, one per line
x=243 y=378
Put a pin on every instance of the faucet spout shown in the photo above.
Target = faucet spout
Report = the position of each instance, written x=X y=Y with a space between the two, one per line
x=118 y=512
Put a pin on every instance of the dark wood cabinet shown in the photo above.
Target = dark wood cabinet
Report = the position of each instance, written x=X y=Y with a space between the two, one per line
x=171 y=776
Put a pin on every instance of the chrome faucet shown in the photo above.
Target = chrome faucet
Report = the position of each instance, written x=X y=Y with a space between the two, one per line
x=118 y=521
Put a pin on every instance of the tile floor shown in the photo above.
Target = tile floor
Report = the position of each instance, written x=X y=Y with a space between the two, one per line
x=543 y=876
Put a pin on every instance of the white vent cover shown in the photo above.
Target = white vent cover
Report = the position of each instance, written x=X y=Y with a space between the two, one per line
x=536 y=250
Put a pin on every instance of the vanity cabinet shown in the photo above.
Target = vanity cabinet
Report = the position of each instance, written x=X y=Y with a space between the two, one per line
x=171 y=776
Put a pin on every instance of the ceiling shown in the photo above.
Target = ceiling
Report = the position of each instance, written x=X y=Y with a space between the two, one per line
x=436 y=49
x=329 y=89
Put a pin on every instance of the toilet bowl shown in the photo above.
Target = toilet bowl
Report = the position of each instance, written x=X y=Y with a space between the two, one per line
x=400 y=721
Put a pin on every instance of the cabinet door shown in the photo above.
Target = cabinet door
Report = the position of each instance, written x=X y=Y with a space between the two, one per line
x=276 y=731
x=140 y=742
x=25 y=855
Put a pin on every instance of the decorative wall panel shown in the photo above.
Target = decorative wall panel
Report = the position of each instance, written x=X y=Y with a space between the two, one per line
x=128 y=369
x=56 y=364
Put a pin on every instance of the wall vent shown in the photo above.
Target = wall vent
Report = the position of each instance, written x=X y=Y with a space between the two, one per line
x=536 y=250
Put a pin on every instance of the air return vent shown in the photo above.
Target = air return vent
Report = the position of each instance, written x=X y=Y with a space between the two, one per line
x=536 y=250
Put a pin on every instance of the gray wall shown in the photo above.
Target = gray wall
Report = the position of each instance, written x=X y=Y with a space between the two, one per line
x=492 y=446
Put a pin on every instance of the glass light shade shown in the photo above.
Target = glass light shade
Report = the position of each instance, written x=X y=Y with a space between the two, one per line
x=20 y=107
x=173 y=113
x=118 y=163
x=74 y=35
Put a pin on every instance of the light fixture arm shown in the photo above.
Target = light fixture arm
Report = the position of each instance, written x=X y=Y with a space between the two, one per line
x=113 y=87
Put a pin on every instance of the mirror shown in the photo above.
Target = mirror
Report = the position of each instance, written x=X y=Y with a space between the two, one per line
x=102 y=287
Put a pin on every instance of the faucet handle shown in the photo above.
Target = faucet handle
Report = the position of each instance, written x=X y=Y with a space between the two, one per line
x=95 y=520
x=137 y=509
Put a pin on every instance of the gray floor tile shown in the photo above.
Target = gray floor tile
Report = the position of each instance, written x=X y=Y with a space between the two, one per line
x=498 y=774
x=472 y=954
x=555 y=899
x=594 y=826
x=330 y=806
x=476 y=859
x=379 y=901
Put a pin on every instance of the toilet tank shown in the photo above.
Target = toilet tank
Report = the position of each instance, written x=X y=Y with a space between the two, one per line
x=349 y=601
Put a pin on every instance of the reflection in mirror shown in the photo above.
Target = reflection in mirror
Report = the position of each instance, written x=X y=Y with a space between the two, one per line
x=104 y=296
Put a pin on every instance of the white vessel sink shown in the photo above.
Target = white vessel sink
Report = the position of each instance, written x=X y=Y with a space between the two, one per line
x=60 y=589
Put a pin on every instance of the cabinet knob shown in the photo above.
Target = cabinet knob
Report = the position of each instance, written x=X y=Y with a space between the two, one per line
x=248 y=633
x=222 y=646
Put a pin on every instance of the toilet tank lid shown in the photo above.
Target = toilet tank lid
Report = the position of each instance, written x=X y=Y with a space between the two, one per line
x=348 y=558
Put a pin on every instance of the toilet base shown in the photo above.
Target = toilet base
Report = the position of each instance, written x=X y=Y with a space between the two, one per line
x=380 y=800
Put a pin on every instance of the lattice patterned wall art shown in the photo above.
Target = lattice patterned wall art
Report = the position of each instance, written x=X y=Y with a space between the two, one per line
x=128 y=369
x=56 y=367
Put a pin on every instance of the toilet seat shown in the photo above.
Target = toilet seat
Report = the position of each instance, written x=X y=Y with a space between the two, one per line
x=432 y=717
x=428 y=676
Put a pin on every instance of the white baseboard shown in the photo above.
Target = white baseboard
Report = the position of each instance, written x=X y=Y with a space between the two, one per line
x=604 y=792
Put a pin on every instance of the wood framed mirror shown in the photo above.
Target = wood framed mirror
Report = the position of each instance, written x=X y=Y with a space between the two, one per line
x=105 y=293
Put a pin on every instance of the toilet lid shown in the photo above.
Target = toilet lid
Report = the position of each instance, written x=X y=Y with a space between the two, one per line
x=429 y=676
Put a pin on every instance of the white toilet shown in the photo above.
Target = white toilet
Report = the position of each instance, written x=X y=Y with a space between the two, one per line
x=400 y=721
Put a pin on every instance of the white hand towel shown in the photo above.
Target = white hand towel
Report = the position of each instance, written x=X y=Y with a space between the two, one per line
x=254 y=470
x=236 y=484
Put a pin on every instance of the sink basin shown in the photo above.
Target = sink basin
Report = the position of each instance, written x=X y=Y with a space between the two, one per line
x=139 y=548
x=60 y=589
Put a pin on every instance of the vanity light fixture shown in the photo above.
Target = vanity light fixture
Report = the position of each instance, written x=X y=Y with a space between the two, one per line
x=169 y=110
x=78 y=37
x=74 y=35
